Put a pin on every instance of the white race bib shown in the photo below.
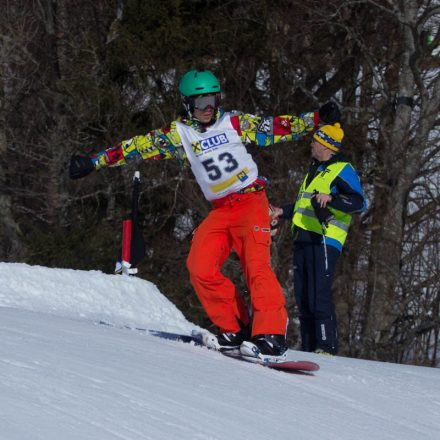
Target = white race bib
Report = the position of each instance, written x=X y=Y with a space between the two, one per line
x=218 y=158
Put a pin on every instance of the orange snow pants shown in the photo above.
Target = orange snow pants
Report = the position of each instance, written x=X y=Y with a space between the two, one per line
x=239 y=221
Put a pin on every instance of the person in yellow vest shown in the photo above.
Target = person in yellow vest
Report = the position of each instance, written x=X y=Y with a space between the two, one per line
x=330 y=193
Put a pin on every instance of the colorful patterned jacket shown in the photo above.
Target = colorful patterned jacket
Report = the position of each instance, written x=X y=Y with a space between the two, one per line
x=165 y=143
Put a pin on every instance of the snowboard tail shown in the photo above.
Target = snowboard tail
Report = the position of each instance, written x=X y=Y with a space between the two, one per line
x=196 y=337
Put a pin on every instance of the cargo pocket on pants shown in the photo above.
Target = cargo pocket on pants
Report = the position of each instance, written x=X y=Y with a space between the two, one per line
x=262 y=235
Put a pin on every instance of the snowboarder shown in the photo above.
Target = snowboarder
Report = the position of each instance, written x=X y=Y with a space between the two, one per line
x=212 y=141
x=330 y=193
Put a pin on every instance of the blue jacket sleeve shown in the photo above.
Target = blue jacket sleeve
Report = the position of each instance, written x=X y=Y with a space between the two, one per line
x=288 y=211
x=346 y=191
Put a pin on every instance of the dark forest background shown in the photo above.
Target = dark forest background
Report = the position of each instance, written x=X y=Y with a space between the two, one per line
x=78 y=76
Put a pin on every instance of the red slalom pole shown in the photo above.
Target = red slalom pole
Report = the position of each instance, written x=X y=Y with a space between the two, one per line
x=133 y=246
x=126 y=241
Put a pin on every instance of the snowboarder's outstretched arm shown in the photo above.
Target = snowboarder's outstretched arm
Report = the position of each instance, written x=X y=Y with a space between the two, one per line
x=165 y=143
x=162 y=143
x=269 y=130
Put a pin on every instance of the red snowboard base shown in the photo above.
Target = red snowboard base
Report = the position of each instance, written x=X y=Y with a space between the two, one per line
x=293 y=366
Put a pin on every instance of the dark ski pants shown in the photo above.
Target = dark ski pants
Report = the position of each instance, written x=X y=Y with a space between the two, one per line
x=312 y=284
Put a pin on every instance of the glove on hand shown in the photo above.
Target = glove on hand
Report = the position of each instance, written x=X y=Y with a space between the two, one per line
x=274 y=214
x=80 y=166
x=329 y=113
x=274 y=227
x=324 y=214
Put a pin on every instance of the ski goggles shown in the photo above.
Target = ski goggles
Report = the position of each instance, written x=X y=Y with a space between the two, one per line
x=202 y=102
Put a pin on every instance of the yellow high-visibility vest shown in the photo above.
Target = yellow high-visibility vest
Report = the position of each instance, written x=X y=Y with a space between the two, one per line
x=304 y=215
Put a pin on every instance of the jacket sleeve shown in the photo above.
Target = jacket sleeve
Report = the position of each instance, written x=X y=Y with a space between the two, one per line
x=347 y=193
x=269 y=130
x=163 y=143
x=288 y=211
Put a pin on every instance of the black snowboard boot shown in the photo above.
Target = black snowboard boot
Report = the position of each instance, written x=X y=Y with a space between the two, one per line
x=227 y=341
x=269 y=348
x=274 y=345
x=230 y=340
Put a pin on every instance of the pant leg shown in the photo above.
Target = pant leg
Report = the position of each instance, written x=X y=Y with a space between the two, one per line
x=324 y=308
x=303 y=292
x=210 y=247
x=250 y=233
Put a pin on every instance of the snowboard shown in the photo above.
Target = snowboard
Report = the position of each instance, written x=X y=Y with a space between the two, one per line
x=287 y=365
x=196 y=338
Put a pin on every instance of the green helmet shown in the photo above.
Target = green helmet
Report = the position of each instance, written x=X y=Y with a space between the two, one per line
x=198 y=82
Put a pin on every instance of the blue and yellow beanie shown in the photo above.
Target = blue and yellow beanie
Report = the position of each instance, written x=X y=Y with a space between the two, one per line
x=330 y=136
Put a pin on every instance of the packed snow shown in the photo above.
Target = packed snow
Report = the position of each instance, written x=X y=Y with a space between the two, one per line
x=65 y=376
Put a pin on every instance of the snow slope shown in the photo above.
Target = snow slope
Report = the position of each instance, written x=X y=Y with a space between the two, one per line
x=63 y=376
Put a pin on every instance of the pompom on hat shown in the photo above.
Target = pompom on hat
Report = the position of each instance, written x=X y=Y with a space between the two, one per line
x=330 y=136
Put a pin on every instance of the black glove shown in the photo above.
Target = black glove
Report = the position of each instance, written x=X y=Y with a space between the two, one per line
x=324 y=214
x=329 y=113
x=80 y=166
